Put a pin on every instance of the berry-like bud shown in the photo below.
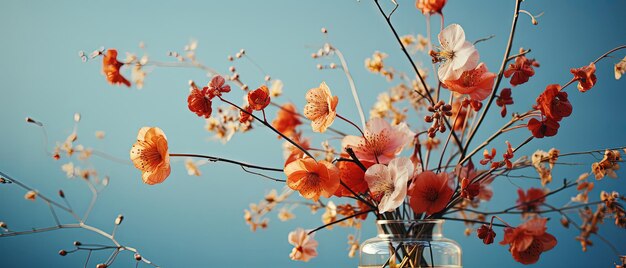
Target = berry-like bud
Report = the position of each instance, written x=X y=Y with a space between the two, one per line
x=428 y=119
x=319 y=67
x=137 y=257
x=324 y=30
x=62 y=252
x=333 y=65
x=242 y=51
x=244 y=87
x=77 y=243
x=313 y=55
x=101 y=265
x=61 y=194
x=232 y=69
x=268 y=78
x=3 y=225
x=119 y=219
x=230 y=58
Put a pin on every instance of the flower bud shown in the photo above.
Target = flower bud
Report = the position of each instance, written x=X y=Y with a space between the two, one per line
x=232 y=69
x=62 y=252
x=77 y=243
x=3 y=225
x=61 y=194
x=137 y=257
x=101 y=265
x=324 y=30
x=119 y=219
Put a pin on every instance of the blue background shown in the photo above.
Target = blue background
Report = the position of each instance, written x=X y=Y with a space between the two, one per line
x=197 y=221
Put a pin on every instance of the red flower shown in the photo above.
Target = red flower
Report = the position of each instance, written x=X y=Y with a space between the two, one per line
x=531 y=200
x=545 y=128
x=553 y=103
x=508 y=155
x=528 y=241
x=199 y=102
x=586 y=76
x=521 y=70
x=486 y=233
x=429 y=192
x=287 y=120
x=504 y=99
x=245 y=116
x=259 y=98
x=469 y=190
x=111 y=68
x=216 y=87
x=488 y=157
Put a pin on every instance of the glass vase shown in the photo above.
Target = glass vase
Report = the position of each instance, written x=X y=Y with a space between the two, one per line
x=411 y=243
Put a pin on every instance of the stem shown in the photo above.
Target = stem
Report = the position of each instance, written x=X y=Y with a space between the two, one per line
x=219 y=159
x=498 y=79
x=351 y=123
x=344 y=66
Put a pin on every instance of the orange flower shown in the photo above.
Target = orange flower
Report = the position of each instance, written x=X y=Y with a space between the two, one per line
x=430 y=6
x=111 y=68
x=304 y=246
x=353 y=176
x=312 y=179
x=245 y=116
x=149 y=154
x=199 y=101
x=529 y=240
x=586 y=76
x=321 y=107
x=429 y=192
x=286 y=120
x=259 y=98
x=521 y=70
x=477 y=83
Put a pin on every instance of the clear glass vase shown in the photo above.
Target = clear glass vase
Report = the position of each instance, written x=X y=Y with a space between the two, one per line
x=412 y=243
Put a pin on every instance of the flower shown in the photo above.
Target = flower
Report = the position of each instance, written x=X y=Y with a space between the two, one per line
x=531 y=200
x=545 y=128
x=477 y=83
x=521 y=70
x=620 y=68
x=30 y=195
x=287 y=120
x=199 y=101
x=586 y=76
x=216 y=87
x=352 y=176
x=305 y=247
x=553 y=103
x=111 y=68
x=457 y=54
x=486 y=233
x=390 y=181
x=527 y=241
x=321 y=107
x=504 y=99
x=330 y=215
x=192 y=168
x=245 y=115
x=312 y=178
x=430 y=6
x=381 y=142
x=259 y=98
x=430 y=192
x=149 y=154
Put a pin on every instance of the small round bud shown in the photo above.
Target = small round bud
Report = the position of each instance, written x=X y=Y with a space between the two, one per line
x=313 y=55
x=77 y=243
x=431 y=109
x=232 y=69
x=448 y=113
x=324 y=31
x=447 y=107
x=244 y=87
x=234 y=76
x=442 y=128
x=238 y=55
x=3 y=225
x=230 y=58
x=61 y=194
x=101 y=265
x=137 y=257
x=431 y=134
x=319 y=67
x=242 y=51
x=119 y=219
x=333 y=65
x=268 y=78
x=62 y=252
x=428 y=119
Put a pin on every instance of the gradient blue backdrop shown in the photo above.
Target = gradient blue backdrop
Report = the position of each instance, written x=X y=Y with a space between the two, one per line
x=197 y=222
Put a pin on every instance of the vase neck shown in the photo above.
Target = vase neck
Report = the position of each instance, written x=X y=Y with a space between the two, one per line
x=417 y=229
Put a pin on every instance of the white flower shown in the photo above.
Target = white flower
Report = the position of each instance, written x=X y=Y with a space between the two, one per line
x=390 y=181
x=458 y=55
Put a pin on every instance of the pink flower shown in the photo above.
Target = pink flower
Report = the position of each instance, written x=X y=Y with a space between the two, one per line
x=477 y=83
x=457 y=54
x=382 y=141
x=390 y=181
x=304 y=246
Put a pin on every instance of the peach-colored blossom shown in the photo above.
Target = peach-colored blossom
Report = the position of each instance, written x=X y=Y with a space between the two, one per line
x=586 y=76
x=111 y=68
x=457 y=54
x=312 y=179
x=287 y=120
x=382 y=142
x=304 y=245
x=390 y=182
x=150 y=155
x=477 y=83
x=321 y=107
x=430 y=6
x=259 y=98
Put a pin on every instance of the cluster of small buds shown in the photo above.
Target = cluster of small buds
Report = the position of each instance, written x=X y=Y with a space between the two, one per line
x=439 y=110
x=326 y=50
x=476 y=105
x=241 y=53
x=176 y=55
x=612 y=206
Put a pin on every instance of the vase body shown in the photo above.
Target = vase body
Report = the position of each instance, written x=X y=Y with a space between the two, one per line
x=412 y=243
